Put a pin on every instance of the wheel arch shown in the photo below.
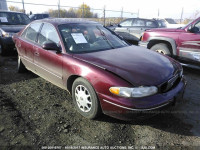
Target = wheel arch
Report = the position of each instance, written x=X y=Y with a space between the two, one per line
x=70 y=82
x=170 y=43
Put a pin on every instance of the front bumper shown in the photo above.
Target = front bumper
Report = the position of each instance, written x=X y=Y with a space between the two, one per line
x=143 y=44
x=132 y=109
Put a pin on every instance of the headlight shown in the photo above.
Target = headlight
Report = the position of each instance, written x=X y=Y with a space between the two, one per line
x=134 y=92
x=6 y=34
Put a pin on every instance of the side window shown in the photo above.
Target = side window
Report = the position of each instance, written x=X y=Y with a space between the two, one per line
x=198 y=26
x=138 y=23
x=151 y=24
x=32 y=31
x=126 y=23
x=45 y=15
x=48 y=33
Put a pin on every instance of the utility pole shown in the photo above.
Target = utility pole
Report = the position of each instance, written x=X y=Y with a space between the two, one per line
x=23 y=6
x=104 y=15
x=181 y=15
x=138 y=14
x=58 y=8
x=158 y=12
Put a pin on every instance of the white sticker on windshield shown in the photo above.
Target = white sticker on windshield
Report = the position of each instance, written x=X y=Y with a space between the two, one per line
x=3 y=19
x=79 y=38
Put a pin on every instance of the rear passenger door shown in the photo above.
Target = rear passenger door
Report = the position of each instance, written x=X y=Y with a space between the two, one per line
x=123 y=28
x=137 y=28
x=48 y=62
x=26 y=43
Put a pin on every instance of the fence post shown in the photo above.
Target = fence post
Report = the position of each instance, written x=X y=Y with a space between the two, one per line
x=181 y=15
x=58 y=8
x=83 y=10
x=122 y=14
x=23 y=6
x=104 y=15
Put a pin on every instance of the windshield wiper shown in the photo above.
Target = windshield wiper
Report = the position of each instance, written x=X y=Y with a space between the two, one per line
x=103 y=34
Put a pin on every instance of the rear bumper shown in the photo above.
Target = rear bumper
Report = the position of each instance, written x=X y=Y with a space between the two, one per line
x=132 y=109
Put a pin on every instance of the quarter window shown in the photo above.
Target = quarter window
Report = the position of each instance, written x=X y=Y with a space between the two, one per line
x=48 y=33
x=32 y=31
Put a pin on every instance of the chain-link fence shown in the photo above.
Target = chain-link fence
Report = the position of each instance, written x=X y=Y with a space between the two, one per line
x=102 y=15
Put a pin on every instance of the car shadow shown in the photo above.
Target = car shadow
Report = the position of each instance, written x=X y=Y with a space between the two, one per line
x=9 y=74
x=165 y=122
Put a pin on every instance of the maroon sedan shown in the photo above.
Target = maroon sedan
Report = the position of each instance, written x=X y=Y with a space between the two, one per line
x=101 y=71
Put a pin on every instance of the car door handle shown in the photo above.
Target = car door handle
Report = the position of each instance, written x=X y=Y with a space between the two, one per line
x=37 y=54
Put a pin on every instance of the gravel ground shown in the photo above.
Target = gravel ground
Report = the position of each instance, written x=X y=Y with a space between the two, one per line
x=34 y=114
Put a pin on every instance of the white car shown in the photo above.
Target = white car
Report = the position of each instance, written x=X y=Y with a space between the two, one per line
x=168 y=22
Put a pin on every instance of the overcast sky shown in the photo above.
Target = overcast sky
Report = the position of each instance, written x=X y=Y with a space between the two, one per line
x=147 y=8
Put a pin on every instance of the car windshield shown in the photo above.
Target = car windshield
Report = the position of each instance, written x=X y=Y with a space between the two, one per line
x=170 y=21
x=10 y=18
x=79 y=38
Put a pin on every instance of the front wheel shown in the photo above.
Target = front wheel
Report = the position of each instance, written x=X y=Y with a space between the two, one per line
x=161 y=48
x=85 y=98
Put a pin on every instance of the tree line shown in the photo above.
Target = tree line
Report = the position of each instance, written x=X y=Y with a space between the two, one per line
x=83 y=11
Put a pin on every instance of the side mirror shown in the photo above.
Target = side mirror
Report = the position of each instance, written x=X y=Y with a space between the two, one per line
x=194 y=29
x=51 y=46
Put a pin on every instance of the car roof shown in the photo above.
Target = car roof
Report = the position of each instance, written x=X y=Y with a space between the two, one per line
x=59 y=21
x=141 y=19
x=11 y=11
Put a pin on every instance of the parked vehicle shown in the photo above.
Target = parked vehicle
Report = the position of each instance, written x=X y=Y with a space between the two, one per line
x=182 y=44
x=170 y=23
x=132 y=29
x=38 y=16
x=10 y=23
x=102 y=72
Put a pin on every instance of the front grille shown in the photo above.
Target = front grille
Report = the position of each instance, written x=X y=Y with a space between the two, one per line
x=170 y=84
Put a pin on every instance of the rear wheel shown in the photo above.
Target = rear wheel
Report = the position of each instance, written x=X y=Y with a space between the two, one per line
x=20 y=66
x=161 y=48
x=85 y=98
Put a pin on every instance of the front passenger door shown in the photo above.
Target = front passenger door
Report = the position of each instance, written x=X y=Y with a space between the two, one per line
x=48 y=62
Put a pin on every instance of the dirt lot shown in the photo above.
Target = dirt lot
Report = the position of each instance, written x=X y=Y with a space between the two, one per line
x=35 y=114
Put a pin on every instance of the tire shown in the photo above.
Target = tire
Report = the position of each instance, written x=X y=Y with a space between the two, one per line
x=85 y=99
x=161 y=48
x=20 y=66
x=2 y=50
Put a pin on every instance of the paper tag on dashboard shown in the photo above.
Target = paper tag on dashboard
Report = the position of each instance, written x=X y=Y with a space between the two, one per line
x=3 y=19
x=79 y=38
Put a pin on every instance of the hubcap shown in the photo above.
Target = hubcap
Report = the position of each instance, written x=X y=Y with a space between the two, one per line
x=160 y=51
x=83 y=98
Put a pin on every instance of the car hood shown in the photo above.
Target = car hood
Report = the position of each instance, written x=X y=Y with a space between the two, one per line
x=137 y=65
x=12 y=28
x=166 y=30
